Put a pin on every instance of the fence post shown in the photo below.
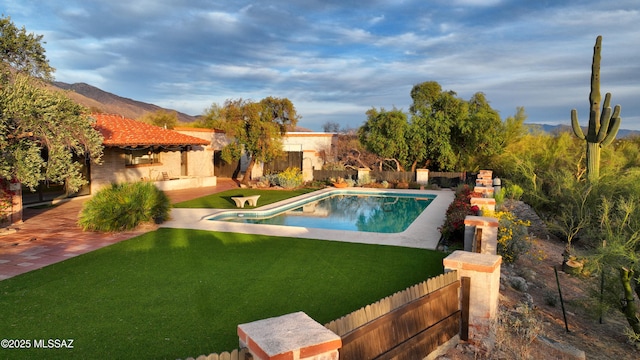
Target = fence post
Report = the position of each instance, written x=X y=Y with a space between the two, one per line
x=363 y=173
x=293 y=336
x=483 y=270
x=422 y=176
x=489 y=228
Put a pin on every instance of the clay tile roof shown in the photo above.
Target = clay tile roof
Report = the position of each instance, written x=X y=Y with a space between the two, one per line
x=120 y=131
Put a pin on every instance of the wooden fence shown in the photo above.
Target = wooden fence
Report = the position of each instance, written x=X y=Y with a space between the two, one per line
x=393 y=176
x=335 y=174
x=451 y=179
x=442 y=179
x=407 y=325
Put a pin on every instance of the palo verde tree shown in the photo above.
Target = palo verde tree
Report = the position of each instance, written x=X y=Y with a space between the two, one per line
x=162 y=118
x=40 y=130
x=256 y=128
x=603 y=126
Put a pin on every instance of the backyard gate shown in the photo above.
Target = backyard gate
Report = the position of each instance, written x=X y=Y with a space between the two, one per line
x=222 y=168
x=407 y=325
x=290 y=159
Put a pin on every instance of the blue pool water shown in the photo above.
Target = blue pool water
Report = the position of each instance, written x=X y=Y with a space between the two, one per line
x=383 y=213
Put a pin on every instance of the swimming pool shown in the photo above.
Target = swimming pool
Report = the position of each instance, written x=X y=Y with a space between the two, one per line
x=361 y=211
x=422 y=233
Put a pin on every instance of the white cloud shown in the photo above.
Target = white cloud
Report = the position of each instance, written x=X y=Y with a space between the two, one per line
x=335 y=60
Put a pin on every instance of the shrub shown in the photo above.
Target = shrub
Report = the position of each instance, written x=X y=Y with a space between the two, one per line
x=364 y=180
x=290 y=178
x=123 y=207
x=513 y=237
x=458 y=210
x=513 y=192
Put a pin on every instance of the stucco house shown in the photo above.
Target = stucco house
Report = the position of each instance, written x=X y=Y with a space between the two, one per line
x=304 y=150
x=135 y=151
x=181 y=158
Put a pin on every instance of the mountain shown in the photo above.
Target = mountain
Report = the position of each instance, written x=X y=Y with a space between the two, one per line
x=102 y=101
x=553 y=129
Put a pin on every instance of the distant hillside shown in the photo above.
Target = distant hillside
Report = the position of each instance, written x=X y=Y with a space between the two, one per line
x=102 y=101
x=622 y=133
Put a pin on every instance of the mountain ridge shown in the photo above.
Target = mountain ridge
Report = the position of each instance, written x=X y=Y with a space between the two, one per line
x=553 y=129
x=101 y=101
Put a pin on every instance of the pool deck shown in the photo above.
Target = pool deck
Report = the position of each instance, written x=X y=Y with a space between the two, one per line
x=422 y=233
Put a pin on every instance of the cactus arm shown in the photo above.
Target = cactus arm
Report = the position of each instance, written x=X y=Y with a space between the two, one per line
x=605 y=119
x=616 y=112
x=575 y=125
x=613 y=129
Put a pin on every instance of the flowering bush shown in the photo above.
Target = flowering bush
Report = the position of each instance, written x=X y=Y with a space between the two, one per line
x=290 y=178
x=453 y=228
x=513 y=236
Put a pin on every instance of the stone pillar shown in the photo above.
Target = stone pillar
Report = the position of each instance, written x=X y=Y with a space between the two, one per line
x=422 y=176
x=487 y=228
x=307 y=165
x=484 y=272
x=484 y=178
x=363 y=173
x=484 y=204
x=293 y=336
x=484 y=183
x=484 y=190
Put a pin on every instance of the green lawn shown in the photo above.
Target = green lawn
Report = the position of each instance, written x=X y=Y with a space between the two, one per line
x=175 y=293
x=223 y=200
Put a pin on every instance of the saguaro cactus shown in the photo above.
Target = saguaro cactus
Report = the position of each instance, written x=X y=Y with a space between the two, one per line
x=603 y=127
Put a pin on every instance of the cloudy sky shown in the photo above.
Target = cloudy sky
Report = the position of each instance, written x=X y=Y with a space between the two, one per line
x=334 y=59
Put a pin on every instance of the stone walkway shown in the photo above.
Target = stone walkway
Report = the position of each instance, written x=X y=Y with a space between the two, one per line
x=49 y=235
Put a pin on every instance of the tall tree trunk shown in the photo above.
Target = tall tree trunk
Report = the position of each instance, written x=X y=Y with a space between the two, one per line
x=629 y=307
x=247 y=173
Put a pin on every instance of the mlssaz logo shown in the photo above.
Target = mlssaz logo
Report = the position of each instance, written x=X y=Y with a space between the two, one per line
x=53 y=344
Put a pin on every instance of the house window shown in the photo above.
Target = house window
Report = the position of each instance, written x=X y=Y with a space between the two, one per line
x=141 y=157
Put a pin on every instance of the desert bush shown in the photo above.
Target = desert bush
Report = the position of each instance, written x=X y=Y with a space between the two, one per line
x=513 y=192
x=513 y=237
x=124 y=206
x=365 y=180
x=290 y=178
x=516 y=331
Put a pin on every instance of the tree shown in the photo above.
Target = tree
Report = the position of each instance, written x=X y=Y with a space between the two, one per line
x=256 y=128
x=436 y=112
x=22 y=52
x=480 y=135
x=162 y=118
x=211 y=117
x=457 y=133
x=385 y=134
x=40 y=131
x=619 y=258
x=331 y=127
